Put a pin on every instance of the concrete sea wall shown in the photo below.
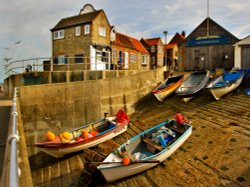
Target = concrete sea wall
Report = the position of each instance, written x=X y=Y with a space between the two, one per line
x=63 y=106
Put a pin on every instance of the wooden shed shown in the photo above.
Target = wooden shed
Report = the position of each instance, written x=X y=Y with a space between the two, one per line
x=242 y=53
x=209 y=46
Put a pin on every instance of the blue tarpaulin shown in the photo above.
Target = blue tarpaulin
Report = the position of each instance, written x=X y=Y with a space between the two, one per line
x=231 y=77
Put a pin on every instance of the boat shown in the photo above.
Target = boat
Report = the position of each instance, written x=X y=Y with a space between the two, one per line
x=168 y=87
x=225 y=83
x=194 y=83
x=145 y=150
x=85 y=136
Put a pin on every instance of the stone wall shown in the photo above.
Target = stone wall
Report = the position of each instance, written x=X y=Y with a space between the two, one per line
x=63 y=106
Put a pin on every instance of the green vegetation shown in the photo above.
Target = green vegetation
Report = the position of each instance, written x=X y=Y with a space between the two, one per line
x=241 y=178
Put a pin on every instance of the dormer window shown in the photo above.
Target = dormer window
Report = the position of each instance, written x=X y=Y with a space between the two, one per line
x=77 y=31
x=102 y=31
x=58 y=34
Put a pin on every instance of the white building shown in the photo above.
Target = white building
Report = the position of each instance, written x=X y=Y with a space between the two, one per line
x=242 y=53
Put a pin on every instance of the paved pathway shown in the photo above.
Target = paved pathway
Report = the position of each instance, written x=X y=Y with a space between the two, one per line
x=5 y=107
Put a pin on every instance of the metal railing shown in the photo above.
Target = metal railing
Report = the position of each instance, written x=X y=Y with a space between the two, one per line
x=71 y=63
x=13 y=138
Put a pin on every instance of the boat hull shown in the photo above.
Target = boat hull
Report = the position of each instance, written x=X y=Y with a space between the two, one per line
x=219 y=92
x=60 y=152
x=114 y=172
x=163 y=93
x=193 y=85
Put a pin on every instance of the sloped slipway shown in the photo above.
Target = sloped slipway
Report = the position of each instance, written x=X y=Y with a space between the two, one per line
x=216 y=154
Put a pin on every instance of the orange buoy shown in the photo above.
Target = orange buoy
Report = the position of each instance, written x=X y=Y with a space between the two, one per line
x=50 y=136
x=87 y=135
x=94 y=133
x=126 y=161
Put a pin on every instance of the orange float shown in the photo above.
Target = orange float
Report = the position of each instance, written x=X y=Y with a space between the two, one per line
x=50 y=136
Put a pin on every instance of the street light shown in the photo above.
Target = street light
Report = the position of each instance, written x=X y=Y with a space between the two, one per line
x=165 y=51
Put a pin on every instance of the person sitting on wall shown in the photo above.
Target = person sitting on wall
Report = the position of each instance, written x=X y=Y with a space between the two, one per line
x=28 y=68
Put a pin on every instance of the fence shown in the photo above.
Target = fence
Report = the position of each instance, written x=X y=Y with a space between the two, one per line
x=71 y=64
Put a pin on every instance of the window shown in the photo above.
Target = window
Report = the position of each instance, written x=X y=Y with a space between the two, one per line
x=104 y=57
x=86 y=29
x=58 y=34
x=102 y=31
x=133 y=57
x=152 y=49
x=114 y=55
x=143 y=59
x=159 y=49
x=79 y=59
x=61 y=59
x=77 y=31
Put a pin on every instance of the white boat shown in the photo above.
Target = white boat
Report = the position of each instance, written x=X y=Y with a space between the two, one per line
x=193 y=85
x=96 y=133
x=154 y=144
x=225 y=83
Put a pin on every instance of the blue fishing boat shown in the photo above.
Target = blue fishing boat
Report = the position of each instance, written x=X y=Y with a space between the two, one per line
x=225 y=83
x=145 y=150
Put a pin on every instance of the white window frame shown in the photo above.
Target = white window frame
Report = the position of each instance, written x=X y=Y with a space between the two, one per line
x=152 y=49
x=62 y=59
x=102 y=31
x=58 y=34
x=143 y=59
x=133 y=57
x=77 y=31
x=159 y=49
x=87 y=29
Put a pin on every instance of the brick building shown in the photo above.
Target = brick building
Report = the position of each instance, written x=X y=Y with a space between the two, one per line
x=83 y=39
x=209 y=46
x=156 y=50
x=86 y=42
x=173 y=50
x=129 y=53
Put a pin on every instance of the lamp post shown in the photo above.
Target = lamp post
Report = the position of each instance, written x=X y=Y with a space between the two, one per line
x=165 y=51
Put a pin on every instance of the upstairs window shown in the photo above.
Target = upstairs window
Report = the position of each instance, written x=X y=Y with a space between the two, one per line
x=159 y=49
x=152 y=49
x=58 y=34
x=86 y=29
x=102 y=31
x=77 y=31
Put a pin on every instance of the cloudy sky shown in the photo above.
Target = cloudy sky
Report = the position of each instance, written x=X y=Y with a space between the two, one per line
x=25 y=24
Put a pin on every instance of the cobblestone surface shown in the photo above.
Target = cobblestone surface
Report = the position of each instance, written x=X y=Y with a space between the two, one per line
x=216 y=154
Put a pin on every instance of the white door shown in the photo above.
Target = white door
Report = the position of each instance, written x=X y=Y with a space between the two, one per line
x=126 y=60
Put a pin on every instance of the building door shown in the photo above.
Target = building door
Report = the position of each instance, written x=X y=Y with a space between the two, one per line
x=245 y=57
x=120 y=60
x=126 y=60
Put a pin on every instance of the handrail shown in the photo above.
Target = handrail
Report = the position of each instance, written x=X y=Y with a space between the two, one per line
x=12 y=140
